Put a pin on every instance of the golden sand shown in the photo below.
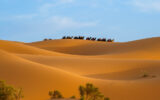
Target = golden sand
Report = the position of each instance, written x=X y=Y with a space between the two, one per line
x=118 y=69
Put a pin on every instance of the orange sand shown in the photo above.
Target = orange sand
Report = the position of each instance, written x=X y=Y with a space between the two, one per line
x=116 y=68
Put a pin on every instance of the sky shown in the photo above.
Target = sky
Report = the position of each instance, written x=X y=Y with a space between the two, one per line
x=123 y=20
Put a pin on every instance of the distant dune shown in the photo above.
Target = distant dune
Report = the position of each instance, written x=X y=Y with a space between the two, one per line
x=122 y=71
x=146 y=47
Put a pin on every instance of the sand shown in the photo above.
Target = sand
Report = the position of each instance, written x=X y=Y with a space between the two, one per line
x=118 y=69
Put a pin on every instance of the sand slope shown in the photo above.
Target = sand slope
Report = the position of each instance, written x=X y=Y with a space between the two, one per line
x=36 y=79
x=89 y=66
x=116 y=68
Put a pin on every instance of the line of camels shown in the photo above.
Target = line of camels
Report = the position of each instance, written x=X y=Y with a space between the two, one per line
x=88 y=38
x=83 y=38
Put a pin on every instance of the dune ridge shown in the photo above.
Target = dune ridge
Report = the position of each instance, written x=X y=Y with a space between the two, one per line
x=21 y=48
x=145 y=48
x=116 y=68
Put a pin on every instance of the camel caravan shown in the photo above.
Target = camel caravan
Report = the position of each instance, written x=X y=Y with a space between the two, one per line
x=88 y=38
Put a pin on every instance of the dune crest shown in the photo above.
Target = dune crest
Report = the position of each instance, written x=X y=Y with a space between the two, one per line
x=21 y=48
x=146 y=48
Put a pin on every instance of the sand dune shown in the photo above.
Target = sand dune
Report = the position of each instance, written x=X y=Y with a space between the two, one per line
x=36 y=79
x=87 y=66
x=116 y=68
x=21 y=48
x=146 y=48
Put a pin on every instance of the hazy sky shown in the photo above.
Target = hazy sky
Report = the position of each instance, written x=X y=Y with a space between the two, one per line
x=124 y=20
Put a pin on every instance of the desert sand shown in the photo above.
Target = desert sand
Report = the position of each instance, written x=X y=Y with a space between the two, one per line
x=118 y=69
